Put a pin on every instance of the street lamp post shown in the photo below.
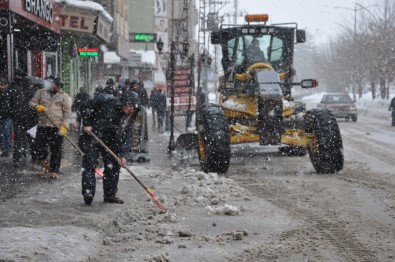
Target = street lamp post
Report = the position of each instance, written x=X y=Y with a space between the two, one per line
x=185 y=48
x=171 y=146
x=191 y=60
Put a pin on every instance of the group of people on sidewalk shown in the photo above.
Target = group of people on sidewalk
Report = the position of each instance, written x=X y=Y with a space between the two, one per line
x=38 y=114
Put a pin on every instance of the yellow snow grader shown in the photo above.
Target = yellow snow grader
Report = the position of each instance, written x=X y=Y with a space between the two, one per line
x=256 y=104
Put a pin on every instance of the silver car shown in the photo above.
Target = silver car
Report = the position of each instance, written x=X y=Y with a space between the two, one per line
x=341 y=105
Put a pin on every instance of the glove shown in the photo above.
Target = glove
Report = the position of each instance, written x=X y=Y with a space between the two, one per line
x=62 y=131
x=40 y=108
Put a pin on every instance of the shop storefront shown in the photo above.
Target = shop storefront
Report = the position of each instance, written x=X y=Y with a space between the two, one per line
x=85 y=30
x=29 y=37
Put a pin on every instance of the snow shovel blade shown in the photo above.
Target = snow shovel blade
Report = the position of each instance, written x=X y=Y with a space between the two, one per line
x=155 y=200
x=188 y=141
x=99 y=172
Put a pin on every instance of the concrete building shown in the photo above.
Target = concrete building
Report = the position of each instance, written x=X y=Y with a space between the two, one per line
x=117 y=52
x=29 y=38
x=85 y=26
x=158 y=18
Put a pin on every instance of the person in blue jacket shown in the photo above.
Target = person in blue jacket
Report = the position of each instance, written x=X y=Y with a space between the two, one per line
x=110 y=119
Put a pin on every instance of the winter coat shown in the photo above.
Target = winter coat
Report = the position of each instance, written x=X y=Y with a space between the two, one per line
x=143 y=95
x=162 y=99
x=110 y=90
x=19 y=95
x=104 y=115
x=58 y=107
x=154 y=99
x=80 y=100
x=4 y=107
x=392 y=107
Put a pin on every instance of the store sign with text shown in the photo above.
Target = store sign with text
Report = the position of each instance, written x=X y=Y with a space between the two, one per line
x=76 y=21
x=40 y=8
x=87 y=52
x=41 y=12
x=103 y=29
x=142 y=37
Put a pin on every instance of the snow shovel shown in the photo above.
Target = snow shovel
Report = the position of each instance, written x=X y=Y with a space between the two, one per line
x=148 y=190
x=66 y=136
x=97 y=170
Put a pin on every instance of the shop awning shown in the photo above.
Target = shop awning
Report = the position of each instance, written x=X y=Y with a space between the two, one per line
x=111 y=58
x=148 y=57
x=87 y=5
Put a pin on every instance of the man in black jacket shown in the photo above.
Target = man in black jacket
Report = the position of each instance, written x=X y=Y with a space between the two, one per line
x=111 y=119
x=24 y=118
x=80 y=101
x=5 y=120
x=153 y=98
x=110 y=88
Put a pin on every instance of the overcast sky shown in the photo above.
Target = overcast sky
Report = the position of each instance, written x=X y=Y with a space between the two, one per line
x=319 y=17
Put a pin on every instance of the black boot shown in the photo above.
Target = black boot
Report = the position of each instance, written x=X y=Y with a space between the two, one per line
x=113 y=200
x=88 y=197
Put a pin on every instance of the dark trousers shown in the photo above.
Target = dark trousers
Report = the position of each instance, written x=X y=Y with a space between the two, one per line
x=5 y=135
x=154 y=116
x=49 y=137
x=21 y=143
x=161 y=117
x=90 y=161
x=33 y=147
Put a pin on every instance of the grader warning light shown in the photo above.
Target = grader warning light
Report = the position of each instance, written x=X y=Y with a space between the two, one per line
x=257 y=18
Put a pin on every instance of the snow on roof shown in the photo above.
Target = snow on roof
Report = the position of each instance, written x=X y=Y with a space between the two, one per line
x=111 y=58
x=87 y=5
x=146 y=56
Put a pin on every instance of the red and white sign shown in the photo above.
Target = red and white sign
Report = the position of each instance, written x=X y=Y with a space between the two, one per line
x=182 y=83
x=182 y=103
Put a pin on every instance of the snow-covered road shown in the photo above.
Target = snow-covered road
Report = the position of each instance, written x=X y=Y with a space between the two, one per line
x=266 y=208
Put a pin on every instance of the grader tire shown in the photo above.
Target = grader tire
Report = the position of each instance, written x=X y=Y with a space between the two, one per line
x=213 y=140
x=329 y=157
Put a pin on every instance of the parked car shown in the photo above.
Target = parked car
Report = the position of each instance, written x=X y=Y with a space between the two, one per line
x=341 y=105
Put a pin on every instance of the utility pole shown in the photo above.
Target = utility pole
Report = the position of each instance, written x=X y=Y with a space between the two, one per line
x=179 y=30
x=236 y=5
x=357 y=7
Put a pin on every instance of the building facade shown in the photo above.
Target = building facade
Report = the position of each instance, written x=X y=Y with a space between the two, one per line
x=118 y=49
x=85 y=28
x=29 y=38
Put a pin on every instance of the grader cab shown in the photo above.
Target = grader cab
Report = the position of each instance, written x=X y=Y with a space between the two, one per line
x=256 y=103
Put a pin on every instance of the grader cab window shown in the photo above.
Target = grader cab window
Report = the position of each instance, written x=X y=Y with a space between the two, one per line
x=252 y=49
x=276 y=49
x=240 y=54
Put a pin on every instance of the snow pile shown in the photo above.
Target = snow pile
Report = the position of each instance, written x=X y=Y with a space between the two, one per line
x=377 y=108
x=88 y=5
x=200 y=189
x=232 y=105
x=225 y=210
